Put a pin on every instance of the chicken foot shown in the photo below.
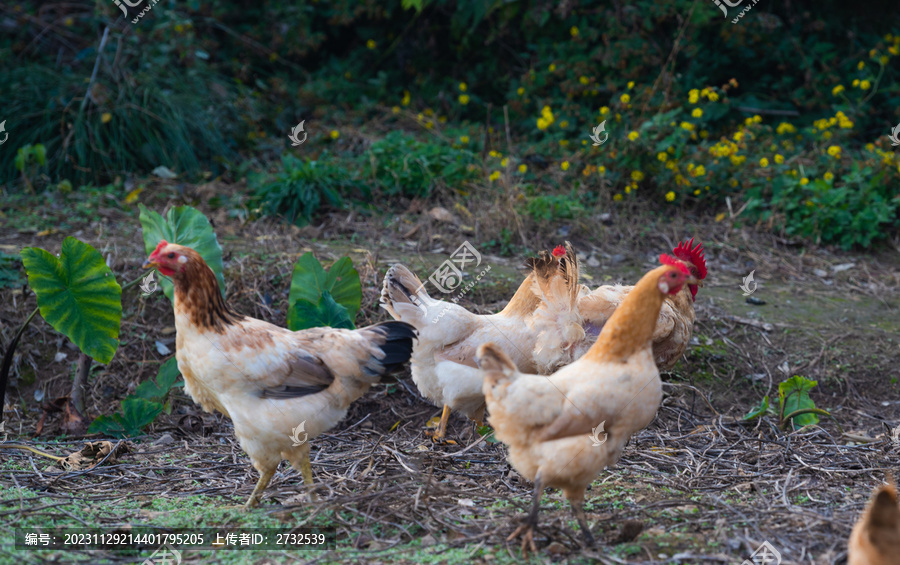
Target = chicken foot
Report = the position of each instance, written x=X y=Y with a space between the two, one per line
x=578 y=511
x=300 y=460
x=526 y=530
x=441 y=431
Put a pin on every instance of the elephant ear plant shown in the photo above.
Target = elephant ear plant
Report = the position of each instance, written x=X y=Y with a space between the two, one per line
x=78 y=295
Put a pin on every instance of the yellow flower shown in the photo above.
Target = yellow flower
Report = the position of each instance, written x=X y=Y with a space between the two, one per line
x=106 y=117
x=604 y=110
x=804 y=181
x=662 y=156
x=584 y=80
x=547 y=113
x=493 y=153
x=855 y=82
x=687 y=125
x=335 y=134
x=870 y=146
x=704 y=134
x=670 y=196
x=834 y=151
x=628 y=189
x=371 y=44
x=713 y=96
x=617 y=197
x=69 y=22
x=861 y=65
x=894 y=50
x=637 y=176
x=504 y=161
x=429 y=124
x=720 y=216
x=865 y=85
x=763 y=162
x=542 y=124
x=779 y=158
x=837 y=90
x=784 y=128
x=573 y=31
x=552 y=67
x=464 y=139
x=463 y=99
x=757 y=118
x=395 y=109
x=520 y=91
x=586 y=171
x=630 y=84
x=564 y=124
x=601 y=170
x=523 y=168
x=633 y=135
x=405 y=100
x=494 y=176
x=693 y=96
x=463 y=87
x=828 y=176
x=625 y=99
x=564 y=142
x=697 y=113
x=699 y=171
x=565 y=165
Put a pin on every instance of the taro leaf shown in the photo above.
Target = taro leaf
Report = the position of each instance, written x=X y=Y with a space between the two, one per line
x=136 y=414
x=77 y=295
x=166 y=379
x=324 y=312
x=309 y=282
x=762 y=409
x=185 y=226
x=794 y=395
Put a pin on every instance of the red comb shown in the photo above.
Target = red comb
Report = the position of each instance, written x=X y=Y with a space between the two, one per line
x=559 y=251
x=669 y=260
x=162 y=243
x=693 y=255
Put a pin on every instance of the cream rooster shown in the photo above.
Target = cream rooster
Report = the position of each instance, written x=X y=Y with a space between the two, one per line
x=875 y=539
x=280 y=388
x=562 y=430
x=443 y=359
x=571 y=324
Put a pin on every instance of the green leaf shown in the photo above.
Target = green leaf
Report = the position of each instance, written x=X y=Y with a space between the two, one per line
x=136 y=414
x=762 y=409
x=77 y=295
x=310 y=282
x=489 y=432
x=185 y=226
x=794 y=395
x=166 y=379
x=324 y=312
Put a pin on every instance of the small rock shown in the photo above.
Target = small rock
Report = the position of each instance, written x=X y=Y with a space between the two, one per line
x=557 y=548
x=754 y=300
x=465 y=502
x=592 y=261
x=60 y=356
x=164 y=173
x=428 y=540
x=843 y=267
x=563 y=231
x=164 y=439
x=605 y=218
x=820 y=273
x=617 y=258
x=162 y=349
x=442 y=215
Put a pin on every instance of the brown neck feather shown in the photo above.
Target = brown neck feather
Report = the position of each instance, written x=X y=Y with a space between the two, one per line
x=524 y=301
x=631 y=326
x=197 y=293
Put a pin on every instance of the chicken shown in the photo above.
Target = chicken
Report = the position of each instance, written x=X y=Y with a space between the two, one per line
x=443 y=360
x=875 y=539
x=273 y=383
x=553 y=425
x=562 y=342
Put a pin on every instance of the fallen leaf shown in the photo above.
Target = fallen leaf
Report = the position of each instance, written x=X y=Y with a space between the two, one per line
x=60 y=356
x=465 y=502
x=91 y=454
x=162 y=349
x=442 y=215
x=45 y=233
x=843 y=267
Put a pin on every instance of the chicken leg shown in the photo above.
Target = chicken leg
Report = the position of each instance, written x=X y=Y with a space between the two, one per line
x=265 y=477
x=300 y=460
x=441 y=431
x=526 y=530
x=577 y=503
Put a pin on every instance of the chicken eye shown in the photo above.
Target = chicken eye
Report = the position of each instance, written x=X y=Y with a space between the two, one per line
x=171 y=255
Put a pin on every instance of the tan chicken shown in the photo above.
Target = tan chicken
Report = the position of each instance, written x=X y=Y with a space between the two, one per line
x=875 y=539
x=563 y=340
x=280 y=388
x=443 y=359
x=562 y=430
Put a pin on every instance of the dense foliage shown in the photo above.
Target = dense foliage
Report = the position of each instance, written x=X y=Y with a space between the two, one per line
x=784 y=113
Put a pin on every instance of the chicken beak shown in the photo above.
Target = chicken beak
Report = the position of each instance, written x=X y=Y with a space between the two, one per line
x=694 y=280
x=148 y=264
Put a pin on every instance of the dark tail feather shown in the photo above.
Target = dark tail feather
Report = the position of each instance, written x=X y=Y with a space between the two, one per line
x=397 y=346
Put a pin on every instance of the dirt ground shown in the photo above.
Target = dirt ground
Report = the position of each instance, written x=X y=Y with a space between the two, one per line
x=705 y=486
